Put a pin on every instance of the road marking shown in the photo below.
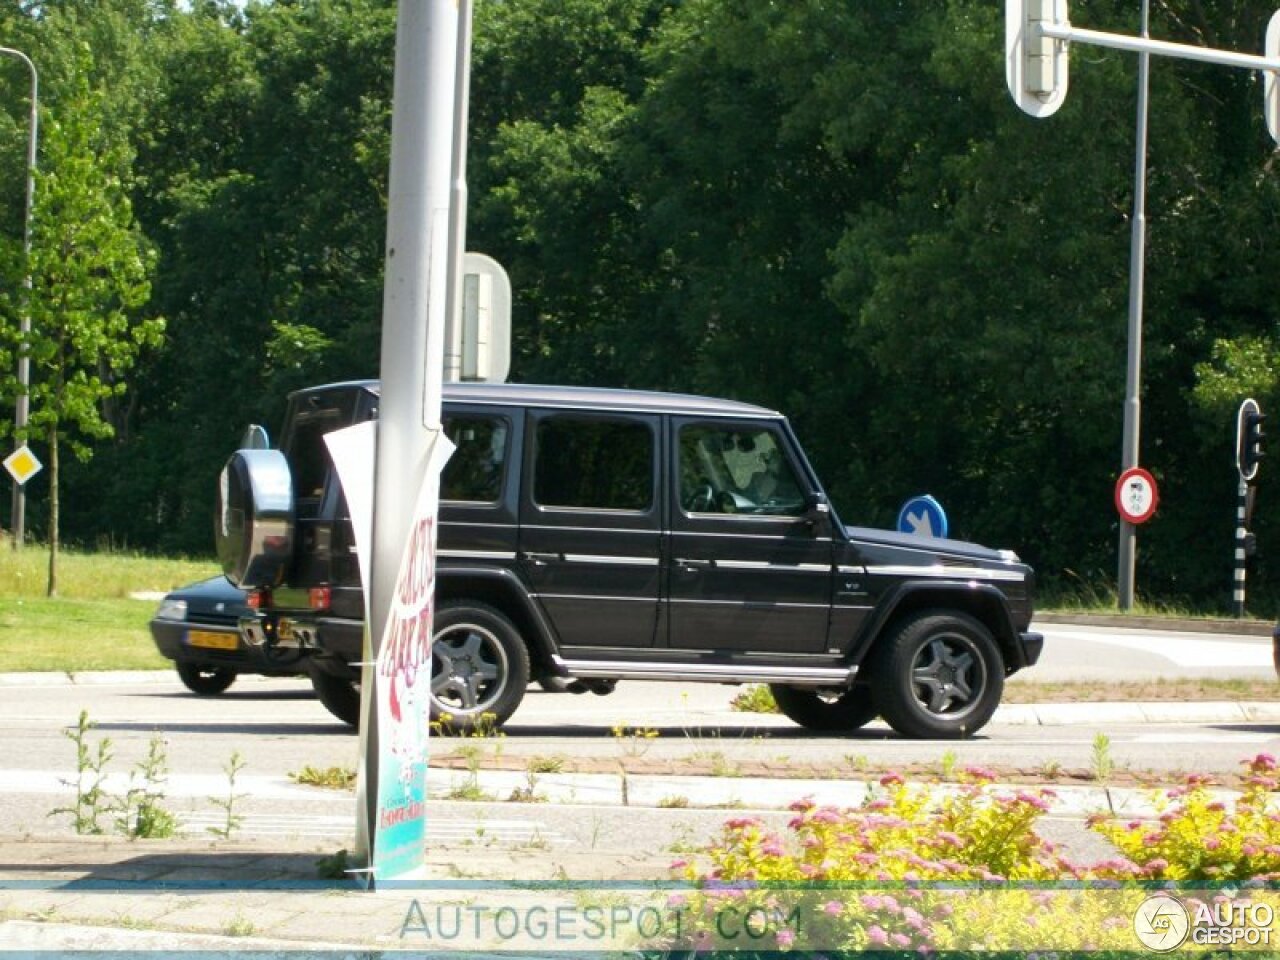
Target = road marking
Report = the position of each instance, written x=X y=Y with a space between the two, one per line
x=439 y=830
x=1185 y=651
x=1204 y=737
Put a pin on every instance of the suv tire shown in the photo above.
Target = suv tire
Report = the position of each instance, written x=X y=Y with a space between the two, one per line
x=205 y=681
x=825 y=710
x=938 y=676
x=479 y=665
x=340 y=696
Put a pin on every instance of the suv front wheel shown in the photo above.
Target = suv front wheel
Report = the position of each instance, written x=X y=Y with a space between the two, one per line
x=940 y=676
x=479 y=665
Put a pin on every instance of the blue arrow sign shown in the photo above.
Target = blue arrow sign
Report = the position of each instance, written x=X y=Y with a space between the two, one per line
x=923 y=516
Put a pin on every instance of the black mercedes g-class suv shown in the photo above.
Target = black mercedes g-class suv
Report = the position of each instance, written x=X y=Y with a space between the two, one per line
x=601 y=535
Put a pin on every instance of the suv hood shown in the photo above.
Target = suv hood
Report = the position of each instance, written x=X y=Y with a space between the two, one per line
x=936 y=546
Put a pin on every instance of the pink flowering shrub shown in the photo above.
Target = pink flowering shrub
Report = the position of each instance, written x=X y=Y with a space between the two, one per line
x=1198 y=837
x=942 y=869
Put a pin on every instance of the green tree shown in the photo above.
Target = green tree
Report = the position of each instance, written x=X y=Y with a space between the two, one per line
x=90 y=281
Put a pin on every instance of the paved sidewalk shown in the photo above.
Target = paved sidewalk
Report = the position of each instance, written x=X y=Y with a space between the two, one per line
x=69 y=893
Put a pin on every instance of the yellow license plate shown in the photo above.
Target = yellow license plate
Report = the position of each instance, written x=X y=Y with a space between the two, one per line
x=213 y=641
x=284 y=629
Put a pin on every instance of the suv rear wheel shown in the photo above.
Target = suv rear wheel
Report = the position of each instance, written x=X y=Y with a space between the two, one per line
x=939 y=676
x=479 y=665
x=339 y=694
x=825 y=710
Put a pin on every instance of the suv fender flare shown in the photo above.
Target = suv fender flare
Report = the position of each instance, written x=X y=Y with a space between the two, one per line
x=503 y=590
x=980 y=600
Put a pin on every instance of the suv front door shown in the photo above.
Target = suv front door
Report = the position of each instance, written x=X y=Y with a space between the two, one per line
x=749 y=567
x=590 y=526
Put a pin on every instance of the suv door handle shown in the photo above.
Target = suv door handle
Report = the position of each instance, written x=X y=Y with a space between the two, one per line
x=541 y=559
x=693 y=566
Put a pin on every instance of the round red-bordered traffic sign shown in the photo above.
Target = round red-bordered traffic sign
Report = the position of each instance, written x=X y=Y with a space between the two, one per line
x=1136 y=495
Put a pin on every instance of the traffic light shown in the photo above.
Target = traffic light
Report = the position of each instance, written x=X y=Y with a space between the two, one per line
x=1251 y=453
x=1035 y=65
x=1249 y=436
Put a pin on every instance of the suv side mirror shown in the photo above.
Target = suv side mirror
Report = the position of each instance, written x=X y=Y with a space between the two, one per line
x=817 y=510
x=255 y=438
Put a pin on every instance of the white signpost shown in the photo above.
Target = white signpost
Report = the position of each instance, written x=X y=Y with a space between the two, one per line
x=408 y=432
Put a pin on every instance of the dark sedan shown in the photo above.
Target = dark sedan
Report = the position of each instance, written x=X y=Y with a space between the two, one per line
x=195 y=627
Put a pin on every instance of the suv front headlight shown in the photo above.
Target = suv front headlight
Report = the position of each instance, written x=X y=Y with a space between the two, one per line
x=171 y=609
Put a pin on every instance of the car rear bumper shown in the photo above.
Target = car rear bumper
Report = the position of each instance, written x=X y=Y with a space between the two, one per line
x=180 y=641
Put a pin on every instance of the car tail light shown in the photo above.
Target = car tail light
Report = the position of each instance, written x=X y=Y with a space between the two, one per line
x=257 y=599
x=319 y=598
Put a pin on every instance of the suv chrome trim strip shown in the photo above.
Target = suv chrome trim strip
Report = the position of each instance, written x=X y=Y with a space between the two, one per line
x=591 y=596
x=749 y=604
x=478 y=554
x=765 y=565
x=617 y=561
x=706 y=672
x=940 y=572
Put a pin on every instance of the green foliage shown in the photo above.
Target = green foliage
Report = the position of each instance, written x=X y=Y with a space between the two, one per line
x=830 y=209
x=333 y=778
x=754 y=698
x=933 y=870
x=1200 y=836
x=92 y=800
x=231 y=820
x=140 y=812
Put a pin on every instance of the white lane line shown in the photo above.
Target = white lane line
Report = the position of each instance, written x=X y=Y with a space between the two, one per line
x=1182 y=650
x=319 y=825
x=1225 y=738
x=175 y=785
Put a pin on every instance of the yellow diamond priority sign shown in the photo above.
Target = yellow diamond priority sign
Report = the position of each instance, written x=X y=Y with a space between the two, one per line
x=22 y=464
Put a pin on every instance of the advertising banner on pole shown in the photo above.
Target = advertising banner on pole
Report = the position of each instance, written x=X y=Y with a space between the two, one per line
x=401 y=674
x=403 y=686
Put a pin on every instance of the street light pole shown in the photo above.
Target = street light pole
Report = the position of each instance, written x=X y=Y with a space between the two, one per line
x=1137 y=265
x=23 y=407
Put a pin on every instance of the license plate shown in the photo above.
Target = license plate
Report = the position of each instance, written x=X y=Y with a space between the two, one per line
x=213 y=641
x=284 y=630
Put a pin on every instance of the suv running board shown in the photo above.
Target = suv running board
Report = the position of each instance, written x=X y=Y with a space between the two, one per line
x=708 y=672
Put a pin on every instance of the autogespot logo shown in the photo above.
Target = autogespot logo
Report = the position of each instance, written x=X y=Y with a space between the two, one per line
x=1161 y=923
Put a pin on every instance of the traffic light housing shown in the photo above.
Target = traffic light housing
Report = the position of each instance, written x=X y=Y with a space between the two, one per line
x=1249 y=436
x=1035 y=65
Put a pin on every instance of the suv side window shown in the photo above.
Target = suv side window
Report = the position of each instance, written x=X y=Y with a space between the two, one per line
x=474 y=472
x=593 y=464
x=736 y=469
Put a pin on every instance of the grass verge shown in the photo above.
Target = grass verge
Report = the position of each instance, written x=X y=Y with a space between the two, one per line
x=93 y=624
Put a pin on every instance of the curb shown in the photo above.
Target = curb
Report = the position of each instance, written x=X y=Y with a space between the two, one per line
x=719 y=793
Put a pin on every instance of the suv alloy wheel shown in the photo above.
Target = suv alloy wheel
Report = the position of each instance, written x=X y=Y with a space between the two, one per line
x=939 y=676
x=479 y=666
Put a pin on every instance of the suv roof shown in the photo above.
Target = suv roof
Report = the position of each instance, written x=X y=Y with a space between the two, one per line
x=582 y=398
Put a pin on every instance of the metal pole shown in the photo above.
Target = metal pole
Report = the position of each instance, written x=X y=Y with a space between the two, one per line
x=458 y=199
x=1242 y=533
x=412 y=359
x=23 y=406
x=1137 y=263
x=1181 y=51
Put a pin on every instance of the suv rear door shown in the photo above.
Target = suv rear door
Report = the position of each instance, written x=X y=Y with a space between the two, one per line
x=590 y=525
x=748 y=568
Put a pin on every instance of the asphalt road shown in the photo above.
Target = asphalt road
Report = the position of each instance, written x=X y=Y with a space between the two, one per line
x=279 y=728
x=1107 y=653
